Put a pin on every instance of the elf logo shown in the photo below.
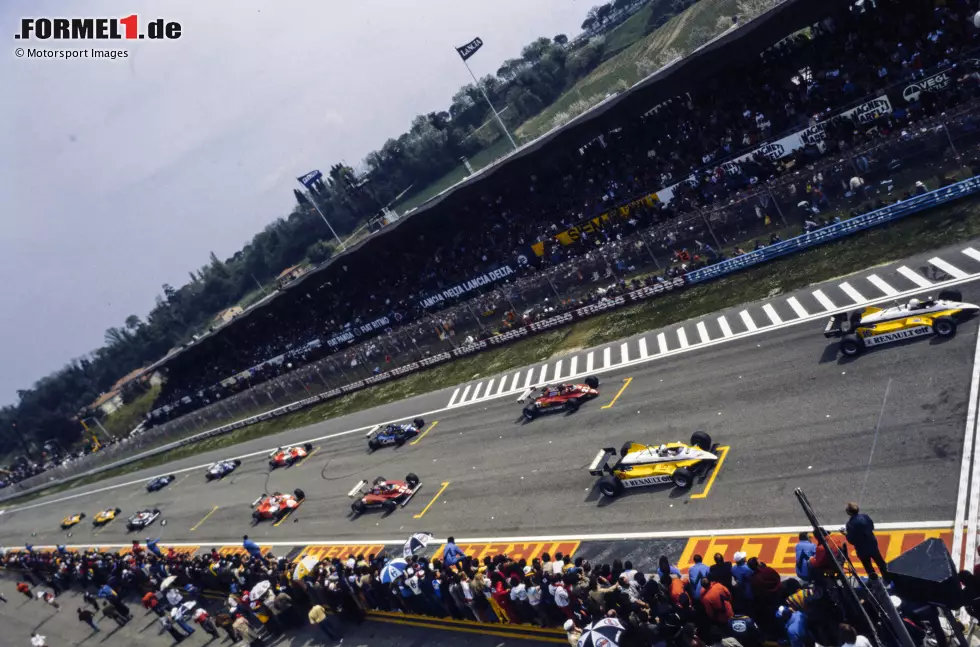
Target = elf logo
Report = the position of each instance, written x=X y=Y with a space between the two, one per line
x=889 y=337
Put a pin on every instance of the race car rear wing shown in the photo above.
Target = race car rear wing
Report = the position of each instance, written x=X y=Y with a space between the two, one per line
x=834 y=327
x=358 y=489
x=524 y=396
x=373 y=431
x=600 y=463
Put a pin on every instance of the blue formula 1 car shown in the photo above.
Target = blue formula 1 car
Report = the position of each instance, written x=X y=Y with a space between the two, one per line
x=396 y=435
x=221 y=469
x=160 y=482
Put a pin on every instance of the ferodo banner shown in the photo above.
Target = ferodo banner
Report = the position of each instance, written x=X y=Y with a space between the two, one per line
x=489 y=278
x=593 y=225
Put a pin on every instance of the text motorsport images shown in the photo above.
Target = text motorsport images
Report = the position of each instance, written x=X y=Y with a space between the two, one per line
x=127 y=28
x=34 y=52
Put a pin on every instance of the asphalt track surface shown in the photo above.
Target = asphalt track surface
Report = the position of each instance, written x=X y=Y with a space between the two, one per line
x=793 y=413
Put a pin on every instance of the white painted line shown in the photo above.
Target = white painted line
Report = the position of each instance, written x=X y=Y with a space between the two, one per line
x=589 y=361
x=726 y=330
x=771 y=313
x=824 y=300
x=489 y=387
x=544 y=374
x=624 y=352
x=452 y=400
x=607 y=357
x=643 y=348
x=915 y=277
x=880 y=283
x=662 y=343
x=952 y=270
x=703 y=332
x=557 y=371
x=961 y=522
x=972 y=253
x=573 y=369
x=476 y=391
x=466 y=392
x=747 y=320
x=503 y=385
x=797 y=307
x=855 y=296
x=682 y=338
x=659 y=534
x=530 y=378
x=515 y=381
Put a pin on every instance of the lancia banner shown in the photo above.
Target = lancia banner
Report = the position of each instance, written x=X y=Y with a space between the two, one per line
x=470 y=48
x=311 y=177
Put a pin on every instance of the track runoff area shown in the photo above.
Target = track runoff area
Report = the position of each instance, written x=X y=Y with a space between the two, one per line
x=894 y=429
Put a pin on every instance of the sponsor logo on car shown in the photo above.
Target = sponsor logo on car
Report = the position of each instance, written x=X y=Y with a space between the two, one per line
x=646 y=480
x=889 y=337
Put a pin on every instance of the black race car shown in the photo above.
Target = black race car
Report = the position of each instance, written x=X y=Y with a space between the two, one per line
x=160 y=482
x=142 y=519
x=396 y=435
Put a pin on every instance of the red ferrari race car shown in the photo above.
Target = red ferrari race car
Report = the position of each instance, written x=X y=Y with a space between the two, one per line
x=286 y=456
x=384 y=494
x=563 y=397
x=276 y=505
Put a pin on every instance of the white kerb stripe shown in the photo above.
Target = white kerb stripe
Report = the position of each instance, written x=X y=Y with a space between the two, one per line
x=573 y=369
x=624 y=351
x=557 y=371
x=855 y=296
x=662 y=343
x=972 y=253
x=703 y=332
x=642 y=344
x=516 y=381
x=726 y=330
x=682 y=338
x=915 y=277
x=961 y=521
x=476 y=391
x=797 y=307
x=503 y=385
x=453 y=399
x=879 y=283
x=824 y=300
x=530 y=378
x=544 y=374
x=747 y=320
x=589 y=361
x=607 y=357
x=466 y=392
x=952 y=270
x=489 y=387
x=771 y=313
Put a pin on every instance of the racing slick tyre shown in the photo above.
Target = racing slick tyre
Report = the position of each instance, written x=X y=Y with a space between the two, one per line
x=389 y=506
x=418 y=423
x=399 y=442
x=682 y=478
x=209 y=476
x=118 y=510
x=950 y=295
x=256 y=516
x=281 y=513
x=412 y=480
x=156 y=510
x=572 y=406
x=944 y=326
x=358 y=507
x=610 y=485
x=131 y=528
x=701 y=440
x=592 y=382
x=530 y=412
x=851 y=345
x=237 y=463
x=81 y=515
x=272 y=465
x=373 y=446
x=299 y=494
x=308 y=447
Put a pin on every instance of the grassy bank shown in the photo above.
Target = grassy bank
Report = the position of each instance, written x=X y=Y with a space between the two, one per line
x=931 y=229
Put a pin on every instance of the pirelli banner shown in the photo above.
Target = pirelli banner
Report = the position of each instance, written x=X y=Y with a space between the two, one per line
x=600 y=222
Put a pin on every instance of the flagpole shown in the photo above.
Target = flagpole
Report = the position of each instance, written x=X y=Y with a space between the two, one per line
x=495 y=114
x=309 y=195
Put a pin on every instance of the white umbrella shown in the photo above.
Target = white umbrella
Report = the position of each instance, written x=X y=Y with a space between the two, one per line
x=391 y=570
x=259 y=590
x=415 y=543
x=304 y=567
x=602 y=633
x=167 y=582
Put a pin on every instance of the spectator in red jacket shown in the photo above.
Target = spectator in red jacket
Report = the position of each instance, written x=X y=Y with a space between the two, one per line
x=717 y=601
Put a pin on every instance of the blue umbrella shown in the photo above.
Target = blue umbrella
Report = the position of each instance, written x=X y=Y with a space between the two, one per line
x=106 y=592
x=391 y=570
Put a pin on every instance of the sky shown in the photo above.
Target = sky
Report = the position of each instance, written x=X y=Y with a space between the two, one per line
x=122 y=175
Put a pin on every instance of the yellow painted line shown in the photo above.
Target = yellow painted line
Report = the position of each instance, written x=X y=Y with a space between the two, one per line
x=426 y=508
x=485 y=632
x=626 y=383
x=276 y=524
x=315 y=450
x=434 y=423
x=711 y=479
x=213 y=510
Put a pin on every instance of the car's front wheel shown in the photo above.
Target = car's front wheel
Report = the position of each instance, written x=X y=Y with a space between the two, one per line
x=610 y=486
x=682 y=478
x=592 y=382
x=412 y=479
x=701 y=440
x=299 y=494
x=358 y=507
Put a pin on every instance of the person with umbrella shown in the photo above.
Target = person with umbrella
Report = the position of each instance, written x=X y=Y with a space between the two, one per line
x=606 y=632
x=572 y=633
x=416 y=543
x=178 y=615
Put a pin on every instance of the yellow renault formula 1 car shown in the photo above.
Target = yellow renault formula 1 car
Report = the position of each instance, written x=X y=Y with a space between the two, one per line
x=641 y=465
x=71 y=520
x=858 y=331
x=105 y=516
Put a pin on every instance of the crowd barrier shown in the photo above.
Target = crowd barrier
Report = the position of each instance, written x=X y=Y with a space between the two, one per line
x=807 y=241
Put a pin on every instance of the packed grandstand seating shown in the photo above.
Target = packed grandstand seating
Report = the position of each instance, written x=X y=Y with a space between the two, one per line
x=802 y=81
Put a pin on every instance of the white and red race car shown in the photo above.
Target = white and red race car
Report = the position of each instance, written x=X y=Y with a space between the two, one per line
x=286 y=456
x=276 y=505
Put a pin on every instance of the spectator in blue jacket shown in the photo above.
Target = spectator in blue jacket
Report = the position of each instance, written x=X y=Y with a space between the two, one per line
x=153 y=547
x=251 y=547
x=860 y=533
x=805 y=549
x=742 y=574
x=795 y=622
x=451 y=553
x=695 y=574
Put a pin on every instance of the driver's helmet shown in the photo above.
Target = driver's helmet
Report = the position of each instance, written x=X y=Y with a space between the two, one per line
x=914 y=303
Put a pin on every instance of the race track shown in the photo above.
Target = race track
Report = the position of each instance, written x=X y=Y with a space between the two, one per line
x=793 y=413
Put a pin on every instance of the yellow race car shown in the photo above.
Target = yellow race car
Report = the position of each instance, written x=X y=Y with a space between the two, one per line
x=71 y=520
x=105 y=516
x=640 y=465
x=858 y=331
